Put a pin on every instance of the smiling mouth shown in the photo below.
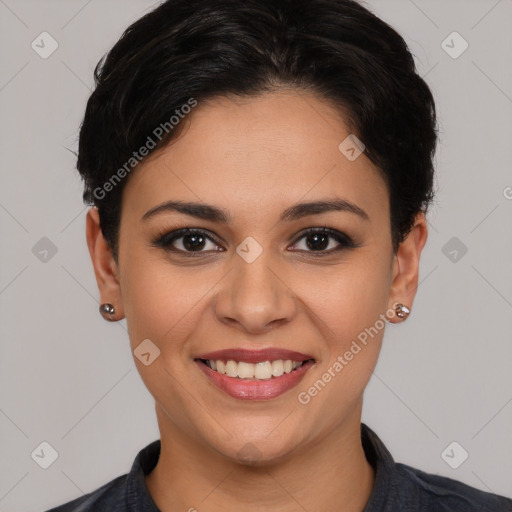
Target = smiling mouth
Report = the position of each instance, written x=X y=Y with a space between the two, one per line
x=264 y=370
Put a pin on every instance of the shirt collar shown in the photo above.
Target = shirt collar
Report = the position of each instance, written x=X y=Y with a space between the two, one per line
x=137 y=495
x=384 y=488
x=138 y=499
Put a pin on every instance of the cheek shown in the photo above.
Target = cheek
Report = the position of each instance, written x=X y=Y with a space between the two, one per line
x=164 y=303
x=349 y=308
x=346 y=300
x=351 y=319
x=160 y=305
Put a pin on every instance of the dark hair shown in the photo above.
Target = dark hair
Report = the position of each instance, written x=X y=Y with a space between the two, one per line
x=193 y=50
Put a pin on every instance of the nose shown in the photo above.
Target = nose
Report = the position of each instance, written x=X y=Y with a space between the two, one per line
x=255 y=296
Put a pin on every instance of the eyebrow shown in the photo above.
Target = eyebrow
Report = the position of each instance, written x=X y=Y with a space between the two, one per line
x=295 y=212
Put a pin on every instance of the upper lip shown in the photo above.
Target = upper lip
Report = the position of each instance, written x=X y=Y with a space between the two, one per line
x=254 y=356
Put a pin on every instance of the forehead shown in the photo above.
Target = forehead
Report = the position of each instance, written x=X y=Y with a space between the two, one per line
x=258 y=154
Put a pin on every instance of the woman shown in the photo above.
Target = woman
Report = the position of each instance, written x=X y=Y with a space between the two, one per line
x=260 y=172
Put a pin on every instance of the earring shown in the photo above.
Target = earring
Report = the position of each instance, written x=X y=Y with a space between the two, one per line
x=106 y=311
x=402 y=311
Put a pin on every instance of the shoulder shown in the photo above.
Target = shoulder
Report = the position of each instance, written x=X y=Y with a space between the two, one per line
x=444 y=494
x=126 y=492
x=108 y=496
x=399 y=486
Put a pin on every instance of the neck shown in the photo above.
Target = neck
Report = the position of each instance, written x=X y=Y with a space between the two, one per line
x=330 y=474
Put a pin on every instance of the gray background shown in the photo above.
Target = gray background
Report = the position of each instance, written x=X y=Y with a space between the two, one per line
x=67 y=377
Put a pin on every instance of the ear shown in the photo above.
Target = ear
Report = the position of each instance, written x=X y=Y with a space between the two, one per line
x=105 y=267
x=406 y=266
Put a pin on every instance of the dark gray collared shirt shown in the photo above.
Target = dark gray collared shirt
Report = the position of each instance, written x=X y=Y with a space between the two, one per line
x=397 y=487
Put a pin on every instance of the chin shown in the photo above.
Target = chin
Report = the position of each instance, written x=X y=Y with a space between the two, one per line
x=256 y=452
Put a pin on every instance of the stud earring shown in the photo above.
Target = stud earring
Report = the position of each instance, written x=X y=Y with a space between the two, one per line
x=402 y=311
x=107 y=310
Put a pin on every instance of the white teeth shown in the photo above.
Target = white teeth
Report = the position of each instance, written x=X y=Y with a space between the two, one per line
x=277 y=368
x=231 y=369
x=245 y=370
x=261 y=371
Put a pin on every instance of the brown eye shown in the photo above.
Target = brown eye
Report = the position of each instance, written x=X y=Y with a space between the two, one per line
x=187 y=241
x=320 y=239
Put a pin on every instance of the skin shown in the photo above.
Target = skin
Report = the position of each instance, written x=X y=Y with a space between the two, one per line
x=254 y=158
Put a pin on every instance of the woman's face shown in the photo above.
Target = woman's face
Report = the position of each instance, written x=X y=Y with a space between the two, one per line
x=255 y=280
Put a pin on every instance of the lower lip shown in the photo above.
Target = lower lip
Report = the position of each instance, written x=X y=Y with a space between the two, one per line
x=248 y=389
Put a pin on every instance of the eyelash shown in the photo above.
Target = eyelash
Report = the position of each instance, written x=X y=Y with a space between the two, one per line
x=165 y=239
